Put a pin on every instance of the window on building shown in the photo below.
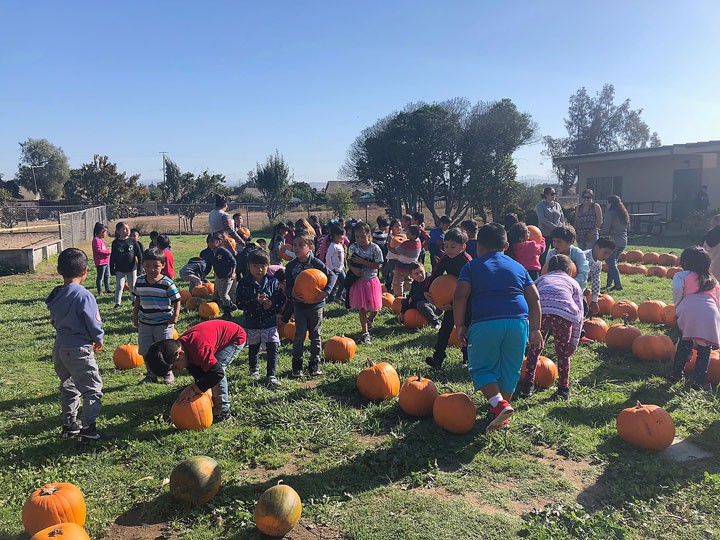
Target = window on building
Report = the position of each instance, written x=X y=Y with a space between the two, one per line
x=604 y=186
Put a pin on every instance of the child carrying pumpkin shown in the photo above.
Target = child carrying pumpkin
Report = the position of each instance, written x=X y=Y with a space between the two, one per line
x=696 y=294
x=415 y=299
x=452 y=262
x=407 y=253
x=603 y=248
x=157 y=307
x=205 y=350
x=364 y=261
x=561 y=301
x=260 y=297
x=525 y=251
x=308 y=316
x=505 y=313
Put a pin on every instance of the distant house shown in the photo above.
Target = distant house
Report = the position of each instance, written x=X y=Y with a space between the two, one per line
x=356 y=189
x=665 y=179
x=27 y=198
x=253 y=192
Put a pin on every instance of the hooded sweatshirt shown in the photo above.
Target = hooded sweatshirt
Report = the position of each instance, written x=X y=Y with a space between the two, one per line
x=75 y=316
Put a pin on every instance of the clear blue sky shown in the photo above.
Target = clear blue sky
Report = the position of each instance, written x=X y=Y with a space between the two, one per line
x=220 y=85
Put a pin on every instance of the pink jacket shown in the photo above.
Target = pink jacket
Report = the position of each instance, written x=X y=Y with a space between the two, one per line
x=528 y=253
x=101 y=253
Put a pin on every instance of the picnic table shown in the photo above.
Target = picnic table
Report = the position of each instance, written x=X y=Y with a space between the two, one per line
x=648 y=220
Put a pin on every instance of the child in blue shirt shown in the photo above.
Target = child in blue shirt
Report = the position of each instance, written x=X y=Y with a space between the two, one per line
x=505 y=313
x=436 y=241
x=563 y=238
x=75 y=316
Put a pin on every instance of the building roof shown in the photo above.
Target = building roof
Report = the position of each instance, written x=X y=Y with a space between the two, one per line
x=666 y=150
x=333 y=186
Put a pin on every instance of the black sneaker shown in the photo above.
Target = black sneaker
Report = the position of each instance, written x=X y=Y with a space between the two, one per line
x=436 y=325
x=221 y=417
x=272 y=382
x=117 y=306
x=70 y=432
x=526 y=389
x=562 y=394
x=90 y=434
x=227 y=316
x=315 y=372
x=365 y=339
x=296 y=374
x=433 y=363
x=255 y=375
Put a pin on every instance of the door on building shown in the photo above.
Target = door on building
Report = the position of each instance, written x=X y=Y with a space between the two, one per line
x=686 y=186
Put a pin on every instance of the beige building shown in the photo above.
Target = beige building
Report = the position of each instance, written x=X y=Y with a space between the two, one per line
x=665 y=179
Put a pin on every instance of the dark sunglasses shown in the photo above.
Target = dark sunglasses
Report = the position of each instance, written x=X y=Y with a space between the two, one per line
x=552 y=193
x=587 y=197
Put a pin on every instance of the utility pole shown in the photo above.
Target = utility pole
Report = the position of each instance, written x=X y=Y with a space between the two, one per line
x=163 y=158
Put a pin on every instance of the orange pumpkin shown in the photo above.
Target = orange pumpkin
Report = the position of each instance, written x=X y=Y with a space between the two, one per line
x=620 y=337
x=387 y=300
x=127 y=357
x=309 y=285
x=176 y=334
x=622 y=257
x=634 y=256
x=639 y=269
x=378 y=382
x=713 y=374
x=455 y=412
x=651 y=311
x=287 y=253
x=396 y=240
x=229 y=244
x=657 y=271
x=667 y=259
x=417 y=396
x=195 y=480
x=605 y=303
x=209 y=310
x=625 y=268
x=545 y=372
x=668 y=315
x=534 y=234
x=277 y=511
x=625 y=307
x=339 y=349
x=442 y=290
x=646 y=426
x=546 y=269
x=651 y=258
x=63 y=531
x=653 y=348
x=53 y=504
x=202 y=291
x=595 y=328
x=414 y=319
x=288 y=331
x=397 y=305
x=245 y=232
x=193 y=303
x=126 y=286
x=196 y=415
x=673 y=270
x=185 y=295
x=210 y=288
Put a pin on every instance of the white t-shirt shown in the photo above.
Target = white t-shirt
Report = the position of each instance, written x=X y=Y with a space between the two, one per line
x=335 y=257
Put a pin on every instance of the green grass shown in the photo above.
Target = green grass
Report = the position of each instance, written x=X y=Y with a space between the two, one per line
x=363 y=470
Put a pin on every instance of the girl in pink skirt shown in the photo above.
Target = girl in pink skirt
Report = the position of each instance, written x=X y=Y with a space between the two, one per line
x=696 y=292
x=364 y=261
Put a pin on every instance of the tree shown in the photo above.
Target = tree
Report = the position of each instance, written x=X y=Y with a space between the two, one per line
x=49 y=164
x=305 y=192
x=342 y=203
x=199 y=190
x=597 y=124
x=11 y=187
x=273 y=181
x=99 y=182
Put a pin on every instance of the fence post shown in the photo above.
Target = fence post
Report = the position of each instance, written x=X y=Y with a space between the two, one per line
x=60 y=231
x=27 y=223
x=179 y=224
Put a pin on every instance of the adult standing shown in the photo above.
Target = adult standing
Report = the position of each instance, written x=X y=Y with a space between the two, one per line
x=550 y=215
x=615 y=225
x=711 y=244
x=221 y=221
x=588 y=220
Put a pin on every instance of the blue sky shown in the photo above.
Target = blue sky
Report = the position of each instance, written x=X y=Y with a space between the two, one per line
x=220 y=85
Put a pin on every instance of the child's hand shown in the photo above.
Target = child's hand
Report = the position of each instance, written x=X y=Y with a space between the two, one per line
x=261 y=298
x=461 y=332
x=267 y=303
x=97 y=347
x=536 y=339
x=594 y=308
x=322 y=295
x=429 y=298
x=135 y=321
x=186 y=395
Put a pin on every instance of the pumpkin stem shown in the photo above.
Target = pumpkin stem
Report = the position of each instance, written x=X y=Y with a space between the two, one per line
x=49 y=490
x=639 y=405
x=370 y=362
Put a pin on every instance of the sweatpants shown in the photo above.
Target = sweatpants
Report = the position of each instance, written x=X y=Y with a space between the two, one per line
x=79 y=377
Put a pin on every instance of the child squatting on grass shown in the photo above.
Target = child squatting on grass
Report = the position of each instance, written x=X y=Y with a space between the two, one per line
x=695 y=293
x=205 y=350
x=561 y=301
x=75 y=316
x=505 y=313
x=157 y=307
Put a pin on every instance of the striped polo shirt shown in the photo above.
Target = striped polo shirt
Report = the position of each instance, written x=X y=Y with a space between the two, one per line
x=156 y=300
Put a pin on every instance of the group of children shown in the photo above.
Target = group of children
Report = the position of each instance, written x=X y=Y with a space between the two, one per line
x=504 y=307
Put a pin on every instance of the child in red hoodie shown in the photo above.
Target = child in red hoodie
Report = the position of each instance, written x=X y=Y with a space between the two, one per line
x=525 y=251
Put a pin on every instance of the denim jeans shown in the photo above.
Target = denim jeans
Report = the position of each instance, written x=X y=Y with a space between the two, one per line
x=339 y=286
x=613 y=274
x=308 y=319
x=221 y=401
x=103 y=277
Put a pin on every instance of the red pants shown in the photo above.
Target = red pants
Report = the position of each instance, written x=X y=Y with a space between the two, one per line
x=562 y=334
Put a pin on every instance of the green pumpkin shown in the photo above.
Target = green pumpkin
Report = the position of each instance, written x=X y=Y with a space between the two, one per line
x=195 y=480
x=278 y=510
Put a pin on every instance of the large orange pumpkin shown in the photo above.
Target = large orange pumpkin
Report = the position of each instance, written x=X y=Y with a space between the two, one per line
x=196 y=415
x=668 y=315
x=309 y=285
x=546 y=372
x=63 y=531
x=339 y=349
x=667 y=259
x=378 y=382
x=646 y=426
x=634 y=256
x=673 y=270
x=396 y=240
x=622 y=257
x=414 y=319
x=605 y=303
x=625 y=308
x=127 y=357
x=387 y=300
x=625 y=268
x=442 y=290
x=195 y=480
x=209 y=310
x=455 y=412
x=653 y=348
x=202 y=291
x=620 y=337
x=657 y=271
x=595 y=328
x=639 y=269
x=53 y=504
x=288 y=331
x=534 y=234
x=651 y=311
x=185 y=295
x=230 y=244
x=278 y=510
x=417 y=396
x=397 y=305
x=713 y=374
x=651 y=258
x=210 y=287
x=287 y=253
x=245 y=232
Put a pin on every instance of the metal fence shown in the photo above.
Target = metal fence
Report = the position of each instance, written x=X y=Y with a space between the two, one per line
x=77 y=227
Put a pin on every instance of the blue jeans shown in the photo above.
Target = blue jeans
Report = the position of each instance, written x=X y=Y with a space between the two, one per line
x=103 y=277
x=221 y=401
x=613 y=273
x=339 y=286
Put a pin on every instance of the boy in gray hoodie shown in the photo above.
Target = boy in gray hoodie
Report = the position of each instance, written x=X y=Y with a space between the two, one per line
x=75 y=316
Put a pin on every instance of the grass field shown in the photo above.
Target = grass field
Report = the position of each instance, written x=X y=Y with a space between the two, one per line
x=363 y=470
